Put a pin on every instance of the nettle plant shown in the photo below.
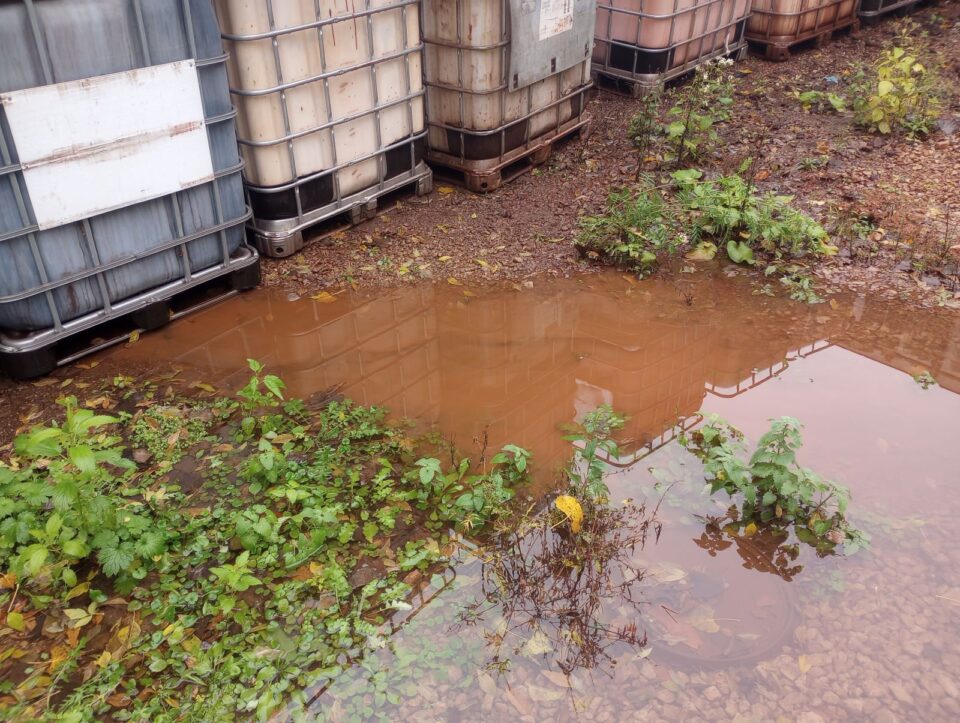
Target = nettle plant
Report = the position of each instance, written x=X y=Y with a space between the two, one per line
x=899 y=92
x=775 y=490
x=62 y=500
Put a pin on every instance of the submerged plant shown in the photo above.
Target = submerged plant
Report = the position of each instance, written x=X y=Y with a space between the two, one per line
x=774 y=488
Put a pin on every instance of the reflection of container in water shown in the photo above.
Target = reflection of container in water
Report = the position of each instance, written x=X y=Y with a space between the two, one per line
x=480 y=119
x=781 y=24
x=651 y=41
x=331 y=108
x=119 y=178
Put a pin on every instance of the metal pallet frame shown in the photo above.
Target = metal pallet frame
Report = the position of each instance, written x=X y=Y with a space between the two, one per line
x=778 y=46
x=885 y=8
x=284 y=237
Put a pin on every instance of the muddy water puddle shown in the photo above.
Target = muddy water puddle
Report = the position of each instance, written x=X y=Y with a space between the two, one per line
x=694 y=623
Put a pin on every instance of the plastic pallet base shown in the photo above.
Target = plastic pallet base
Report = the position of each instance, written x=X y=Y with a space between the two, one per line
x=779 y=51
x=291 y=243
x=613 y=82
x=34 y=363
x=516 y=163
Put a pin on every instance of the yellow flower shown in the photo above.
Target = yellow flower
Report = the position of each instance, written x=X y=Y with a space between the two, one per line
x=571 y=508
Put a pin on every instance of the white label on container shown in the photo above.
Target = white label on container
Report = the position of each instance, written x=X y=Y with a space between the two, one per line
x=97 y=144
x=556 y=16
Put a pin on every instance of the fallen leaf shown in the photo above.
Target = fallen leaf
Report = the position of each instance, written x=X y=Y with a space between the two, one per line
x=486 y=684
x=750 y=530
x=519 y=703
x=15 y=620
x=570 y=507
x=134 y=337
x=445 y=189
x=444 y=259
x=804 y=663
x=543 y=695
x=453 y=282
x=538 y=644
x=702 y=618
x=324 y=297
x=556 y=678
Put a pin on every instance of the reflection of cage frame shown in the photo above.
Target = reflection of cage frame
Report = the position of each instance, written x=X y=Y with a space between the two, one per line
x=650 y=66
x=481 y=154
x=685 y=424
x=780 y=31
x=283 y=234
x=761 y=376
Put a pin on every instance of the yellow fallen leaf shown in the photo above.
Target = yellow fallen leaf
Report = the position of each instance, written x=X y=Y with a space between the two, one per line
x=483 y=263
x=804 y=663
x=750 y=530
x=445 y=189
x=468 y=293
x=453 y=282
x=571 y=508
x=444 y=259
x=134 y=337
x=324 y=297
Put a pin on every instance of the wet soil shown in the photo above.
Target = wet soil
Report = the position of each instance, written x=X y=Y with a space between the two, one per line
x=527 y=227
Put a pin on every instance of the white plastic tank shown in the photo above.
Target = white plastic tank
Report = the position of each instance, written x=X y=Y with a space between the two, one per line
x=480 y=117
x=330 y=101
x=782 y=23
x=649 y=41
x=120 y=180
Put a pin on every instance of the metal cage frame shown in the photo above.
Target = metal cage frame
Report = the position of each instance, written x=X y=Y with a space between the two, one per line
x=737 y=49
x=283 y=237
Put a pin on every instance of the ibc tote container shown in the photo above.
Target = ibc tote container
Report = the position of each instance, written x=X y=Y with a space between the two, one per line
x=646 y=42
x=505 y=79
x=780 y=24
x=330 y=101
x=120 y=181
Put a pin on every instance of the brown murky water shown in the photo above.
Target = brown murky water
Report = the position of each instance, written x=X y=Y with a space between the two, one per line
x=748 y=634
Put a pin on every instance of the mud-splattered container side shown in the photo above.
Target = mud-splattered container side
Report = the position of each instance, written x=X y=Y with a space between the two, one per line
x=504 y=79
x=120 y=181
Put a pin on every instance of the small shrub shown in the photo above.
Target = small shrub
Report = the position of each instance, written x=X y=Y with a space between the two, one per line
x=820 y=101
x=633 y=233
x=731 y=212
x=899 y=92
x=690 y=128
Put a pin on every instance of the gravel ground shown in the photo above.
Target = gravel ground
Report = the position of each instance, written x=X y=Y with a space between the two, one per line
x=527 y=227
